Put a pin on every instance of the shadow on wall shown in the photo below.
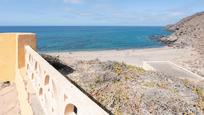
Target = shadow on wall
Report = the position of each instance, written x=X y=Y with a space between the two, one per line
x=58 y=65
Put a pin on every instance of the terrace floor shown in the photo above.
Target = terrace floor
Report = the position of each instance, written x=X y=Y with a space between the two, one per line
x=9 y=104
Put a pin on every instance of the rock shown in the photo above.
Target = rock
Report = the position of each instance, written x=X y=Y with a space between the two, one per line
x=157 y=37
x=169 y=40
x=4 y=84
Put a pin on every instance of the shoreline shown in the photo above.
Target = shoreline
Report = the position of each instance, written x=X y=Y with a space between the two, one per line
x=101 y=50
x=134 y=57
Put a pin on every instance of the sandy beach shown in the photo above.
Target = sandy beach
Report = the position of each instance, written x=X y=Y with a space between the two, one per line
x=131 y=56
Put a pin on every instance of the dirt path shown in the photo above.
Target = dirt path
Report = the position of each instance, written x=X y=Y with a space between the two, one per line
x=172 y=69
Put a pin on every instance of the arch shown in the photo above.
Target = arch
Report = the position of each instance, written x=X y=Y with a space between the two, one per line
x=40 y=92
x=70 y=109
x=47 y=79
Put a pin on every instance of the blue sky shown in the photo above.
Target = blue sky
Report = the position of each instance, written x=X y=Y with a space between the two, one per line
x=96 y=12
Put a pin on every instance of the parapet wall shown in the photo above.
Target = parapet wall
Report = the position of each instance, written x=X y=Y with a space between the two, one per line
x=42 y=90
x=12 y=53
x=57 y=95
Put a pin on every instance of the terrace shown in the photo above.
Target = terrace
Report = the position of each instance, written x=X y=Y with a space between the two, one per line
x=34 y=86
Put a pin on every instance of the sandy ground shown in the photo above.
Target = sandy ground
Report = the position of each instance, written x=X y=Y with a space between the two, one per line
x=131 y=56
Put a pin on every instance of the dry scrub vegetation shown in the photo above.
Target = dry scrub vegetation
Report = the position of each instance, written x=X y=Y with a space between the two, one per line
x=125 y=89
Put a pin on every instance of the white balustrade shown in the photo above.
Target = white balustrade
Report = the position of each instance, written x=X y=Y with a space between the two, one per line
x=57 y=95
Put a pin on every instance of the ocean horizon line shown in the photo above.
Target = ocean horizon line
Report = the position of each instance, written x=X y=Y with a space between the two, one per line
x=82 y=26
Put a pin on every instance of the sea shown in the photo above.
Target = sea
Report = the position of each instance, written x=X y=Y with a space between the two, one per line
x=92 y=38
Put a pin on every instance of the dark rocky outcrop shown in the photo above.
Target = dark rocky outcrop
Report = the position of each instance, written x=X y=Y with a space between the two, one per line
x=57 y=64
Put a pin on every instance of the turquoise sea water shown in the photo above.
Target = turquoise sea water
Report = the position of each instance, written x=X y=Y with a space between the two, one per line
x=77 y=38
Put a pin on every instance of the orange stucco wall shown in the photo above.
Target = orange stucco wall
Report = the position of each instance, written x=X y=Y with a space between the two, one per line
x=7 y=57
x=24 y=39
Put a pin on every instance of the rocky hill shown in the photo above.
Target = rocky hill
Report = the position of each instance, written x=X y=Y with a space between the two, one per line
x=181 y=23
x=187 y=32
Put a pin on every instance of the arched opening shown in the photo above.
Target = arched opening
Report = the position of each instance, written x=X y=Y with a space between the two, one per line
x=27 y=66
x=40 y=91
x=47 y=79
x=70 y=109
x=65 y=97
x=36 y=65
x=54 y=94
x=32 y=76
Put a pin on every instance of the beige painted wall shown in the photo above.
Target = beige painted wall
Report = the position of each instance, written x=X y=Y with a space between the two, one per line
x=7 y=57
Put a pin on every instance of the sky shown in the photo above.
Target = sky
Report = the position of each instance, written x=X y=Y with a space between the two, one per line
x=96 y=12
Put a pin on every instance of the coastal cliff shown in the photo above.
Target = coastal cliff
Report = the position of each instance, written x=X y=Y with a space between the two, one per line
x=187 y=32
